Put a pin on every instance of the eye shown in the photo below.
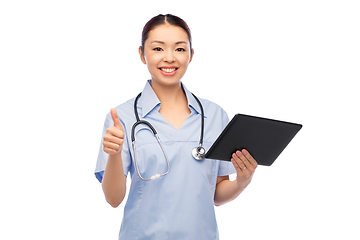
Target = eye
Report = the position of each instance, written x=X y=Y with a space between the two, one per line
x=181 y=50
x=157 y=49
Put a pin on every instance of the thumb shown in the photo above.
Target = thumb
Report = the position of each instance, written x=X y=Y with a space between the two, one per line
x=115 y=118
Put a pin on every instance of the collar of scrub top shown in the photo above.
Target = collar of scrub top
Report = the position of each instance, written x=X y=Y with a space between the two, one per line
x=150 y=100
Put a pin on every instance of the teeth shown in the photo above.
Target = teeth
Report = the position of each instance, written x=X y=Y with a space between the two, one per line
x=168 y=69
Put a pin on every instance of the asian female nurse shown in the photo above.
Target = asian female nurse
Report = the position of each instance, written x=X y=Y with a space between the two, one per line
x=177 y=203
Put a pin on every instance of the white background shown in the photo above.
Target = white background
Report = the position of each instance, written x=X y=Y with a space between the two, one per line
x=64 y=64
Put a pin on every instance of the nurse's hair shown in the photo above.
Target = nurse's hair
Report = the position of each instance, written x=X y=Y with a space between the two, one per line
x=164 y=19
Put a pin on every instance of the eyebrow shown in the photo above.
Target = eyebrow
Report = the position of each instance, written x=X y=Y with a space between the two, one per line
x=180 y=42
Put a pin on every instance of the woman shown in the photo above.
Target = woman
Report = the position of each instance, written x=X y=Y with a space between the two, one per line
x=172 y=195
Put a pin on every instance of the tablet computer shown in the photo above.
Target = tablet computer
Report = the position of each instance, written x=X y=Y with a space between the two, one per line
x=264 y=138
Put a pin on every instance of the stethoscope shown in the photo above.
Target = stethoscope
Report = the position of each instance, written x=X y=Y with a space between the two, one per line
x=197 y=152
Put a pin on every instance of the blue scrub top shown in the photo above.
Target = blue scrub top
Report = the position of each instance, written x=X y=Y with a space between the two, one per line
x=179 y=205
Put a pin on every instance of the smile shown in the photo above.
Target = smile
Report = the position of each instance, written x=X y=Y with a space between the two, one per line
x=168 y=71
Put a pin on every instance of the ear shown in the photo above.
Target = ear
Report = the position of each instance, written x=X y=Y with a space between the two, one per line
x=192 y=54
x=142 y=56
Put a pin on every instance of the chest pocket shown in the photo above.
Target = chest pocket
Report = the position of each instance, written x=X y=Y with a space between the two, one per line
x=149 y=155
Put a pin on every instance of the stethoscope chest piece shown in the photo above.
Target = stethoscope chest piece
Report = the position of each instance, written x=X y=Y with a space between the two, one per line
x=199 y=153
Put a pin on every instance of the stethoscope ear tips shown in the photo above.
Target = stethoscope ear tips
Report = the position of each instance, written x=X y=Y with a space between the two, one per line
x=199 y=153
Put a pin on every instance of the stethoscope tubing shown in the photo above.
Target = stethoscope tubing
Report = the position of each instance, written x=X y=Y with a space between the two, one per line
x=156 y=175
x=138 y=121
x=198 y=152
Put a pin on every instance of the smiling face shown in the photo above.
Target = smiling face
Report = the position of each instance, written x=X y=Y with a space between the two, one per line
x=167 y=54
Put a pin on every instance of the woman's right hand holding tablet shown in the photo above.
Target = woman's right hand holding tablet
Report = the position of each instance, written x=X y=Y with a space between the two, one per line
x=114 y=137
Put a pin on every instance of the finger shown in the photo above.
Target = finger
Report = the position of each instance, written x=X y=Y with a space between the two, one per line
x=244 y=160
x=109 y=150
x=113 y=139
x=111 y=145
x=237 y=167
x=249 y=158
x=235 y=163
x=239 y=162
x=116 y=119
x=114 y=131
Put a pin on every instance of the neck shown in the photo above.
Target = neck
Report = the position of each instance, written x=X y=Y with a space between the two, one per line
x=169 y=95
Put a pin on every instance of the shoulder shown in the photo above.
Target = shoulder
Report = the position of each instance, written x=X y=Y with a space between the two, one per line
x=215 y=120
x=125 y=112
x=214 y=114
x=211 y=108
x=126 y=108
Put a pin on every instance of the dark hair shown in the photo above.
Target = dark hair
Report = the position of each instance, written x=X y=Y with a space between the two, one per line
x=163 y=19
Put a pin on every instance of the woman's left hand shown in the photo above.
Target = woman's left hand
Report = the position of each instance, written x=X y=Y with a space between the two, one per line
x=245 y=166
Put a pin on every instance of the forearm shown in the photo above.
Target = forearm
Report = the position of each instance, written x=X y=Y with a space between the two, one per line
x=227 y=190
x=114 y=181
x=245 y=166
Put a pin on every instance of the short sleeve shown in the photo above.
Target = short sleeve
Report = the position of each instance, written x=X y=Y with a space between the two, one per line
x=225 y=167
x=103 y=156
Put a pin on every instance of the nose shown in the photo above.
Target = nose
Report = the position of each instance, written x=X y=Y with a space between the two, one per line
x=169 y=57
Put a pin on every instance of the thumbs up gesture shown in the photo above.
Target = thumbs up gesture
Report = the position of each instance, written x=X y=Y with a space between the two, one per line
x=114 y=137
